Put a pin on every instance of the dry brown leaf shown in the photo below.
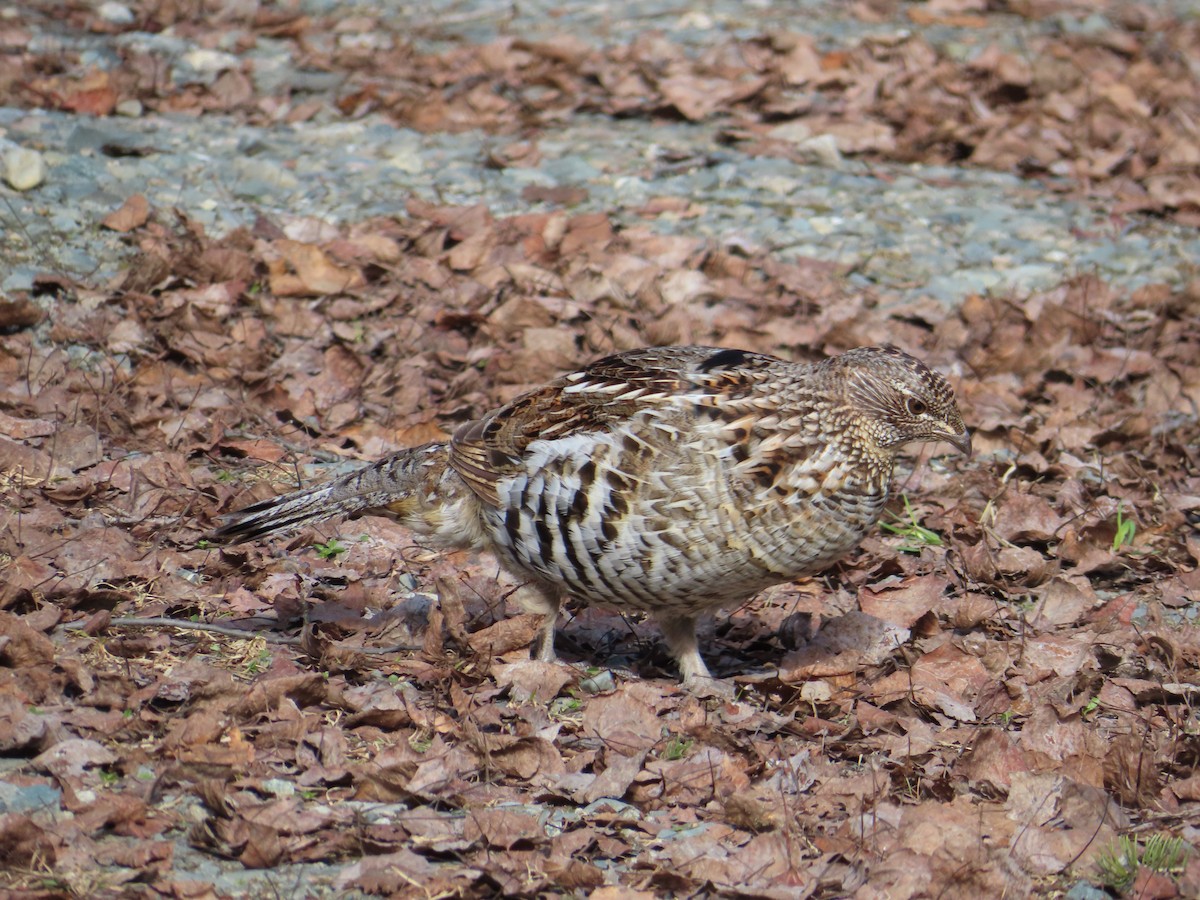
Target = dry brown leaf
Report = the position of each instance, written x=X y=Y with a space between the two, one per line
x=21 y=730
x=949 y=681
x=22 y=646
x=132 y=214
x=19 y=312
x=502 y=828
x=25 y=844
x=994 y=759
x=1026 y=517
x=625 y=723
x=305 y=270
x=902 y=602
x=1062 y=823
x=532 y=680
x=843 y=645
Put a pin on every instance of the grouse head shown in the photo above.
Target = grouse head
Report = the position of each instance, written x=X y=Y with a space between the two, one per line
x=895 y=399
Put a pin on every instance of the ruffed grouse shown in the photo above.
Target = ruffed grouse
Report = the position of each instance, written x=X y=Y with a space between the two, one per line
x=672 y=480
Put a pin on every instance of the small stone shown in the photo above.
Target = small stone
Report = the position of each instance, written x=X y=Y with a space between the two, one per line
x=20 y=279
x=129 y=108
x=822 y=149
x=210 y=62
x=24 y=168
x=699 y=20
x=1030 y=277
x=600 y=683
x=825 y=224
x=14 y=799
x=115 y=13
x=792 y=132
x=408 y=159
x=1082 y=890
x=279 y=787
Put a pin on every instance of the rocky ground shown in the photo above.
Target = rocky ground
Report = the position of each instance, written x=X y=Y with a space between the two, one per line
x=910 y=228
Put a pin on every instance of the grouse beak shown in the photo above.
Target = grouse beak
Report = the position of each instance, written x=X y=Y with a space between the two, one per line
x=961 y=440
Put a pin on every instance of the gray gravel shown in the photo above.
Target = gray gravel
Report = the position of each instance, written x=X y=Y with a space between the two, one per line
x=911 y=230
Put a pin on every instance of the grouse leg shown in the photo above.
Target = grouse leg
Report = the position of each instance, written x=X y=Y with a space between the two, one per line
x=679 y=631
x=546 y=601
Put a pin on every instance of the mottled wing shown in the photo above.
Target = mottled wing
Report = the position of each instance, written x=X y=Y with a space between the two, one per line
x=597 y=400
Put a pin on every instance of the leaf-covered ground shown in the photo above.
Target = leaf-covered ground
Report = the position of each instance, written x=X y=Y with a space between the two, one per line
x=979 y=702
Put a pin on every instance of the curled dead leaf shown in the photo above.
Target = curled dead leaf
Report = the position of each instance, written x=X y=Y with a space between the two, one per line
x=19 y=312
x=905 y=602
x=305 y=270
x=132 y=214
x=1024 y=517
x=21 y=646
x=25 y=845
x=1007 y=565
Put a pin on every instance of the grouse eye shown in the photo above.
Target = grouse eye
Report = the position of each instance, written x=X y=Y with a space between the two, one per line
x=915 y=406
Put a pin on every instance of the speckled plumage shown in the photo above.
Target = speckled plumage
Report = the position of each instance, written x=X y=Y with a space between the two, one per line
x=672 y=480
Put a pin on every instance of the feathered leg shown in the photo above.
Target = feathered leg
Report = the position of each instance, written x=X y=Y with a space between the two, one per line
x=680 y=634
x=536 y=598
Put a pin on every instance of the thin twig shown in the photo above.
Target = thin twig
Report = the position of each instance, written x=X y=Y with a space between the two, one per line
x=164 y=622
x=233 y=631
